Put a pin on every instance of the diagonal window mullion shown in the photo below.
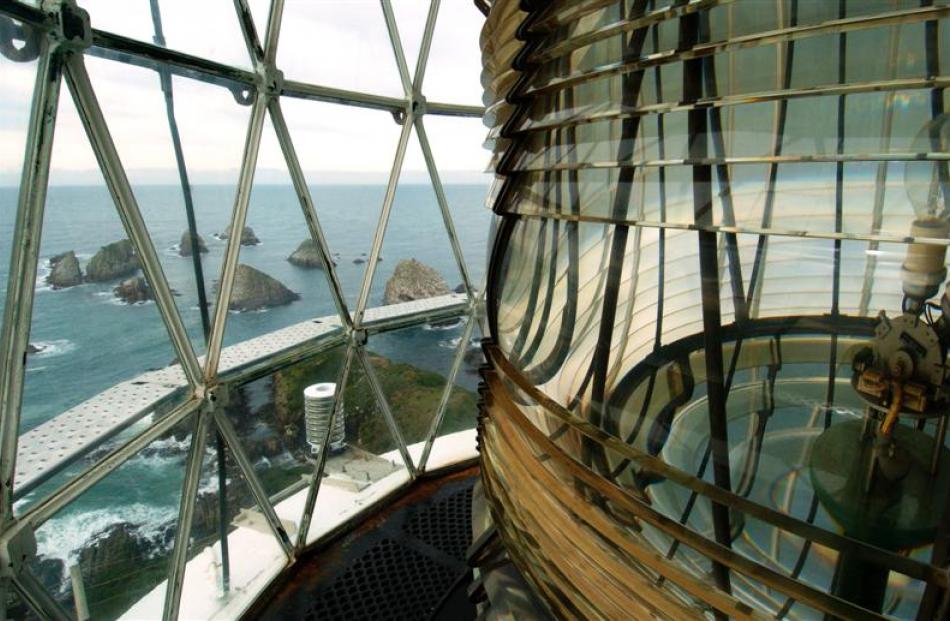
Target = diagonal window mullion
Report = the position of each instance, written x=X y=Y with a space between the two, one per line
x=309 y=212
x=37 y=598
x=383 y=223
x=25 y=251
x=396 y=43
x=313 y=490
x=272 y=34
x=233 y=246
x=48 y=507
x=87 y=105
x=457 y=362
x=383 y=405
x=186 y=513
x=226 y=429
x=423 y=61
x=253 y=43
x=443 y=205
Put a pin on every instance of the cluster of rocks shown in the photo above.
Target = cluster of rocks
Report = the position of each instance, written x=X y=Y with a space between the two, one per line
x=307 y=255
x=363 y=259
x=413 y=280
x=248 y=238
x=112 y=261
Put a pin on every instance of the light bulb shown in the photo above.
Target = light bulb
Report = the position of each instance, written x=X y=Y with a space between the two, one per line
x=927 y=185
x=926 y=181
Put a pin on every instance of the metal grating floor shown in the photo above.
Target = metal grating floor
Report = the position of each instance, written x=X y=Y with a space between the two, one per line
x=400 y=564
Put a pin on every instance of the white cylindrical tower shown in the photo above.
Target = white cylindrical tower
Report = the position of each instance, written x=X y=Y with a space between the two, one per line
x=318 y=408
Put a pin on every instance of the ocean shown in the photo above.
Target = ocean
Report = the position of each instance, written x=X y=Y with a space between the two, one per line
x=90 y=340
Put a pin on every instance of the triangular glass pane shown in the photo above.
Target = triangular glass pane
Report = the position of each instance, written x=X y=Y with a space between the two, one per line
x=185 y=26
x=411 y=21
x=455 y=437
x=211 y=152
x=260 y=12
x=347 y=154
x=101 y=358
x=456 y=144
x=251 y=556
x=370 y=465
x=281 y=295
x=16 y=82
x=339 y=43
x=413 y=365
x=269 y=416
x=120 y=534
x=455 y=58
x=417 y=261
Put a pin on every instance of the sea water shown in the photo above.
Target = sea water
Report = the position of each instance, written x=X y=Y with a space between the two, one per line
x=90 y=340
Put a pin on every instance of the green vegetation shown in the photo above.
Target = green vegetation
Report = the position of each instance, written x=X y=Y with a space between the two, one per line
x=413 y=395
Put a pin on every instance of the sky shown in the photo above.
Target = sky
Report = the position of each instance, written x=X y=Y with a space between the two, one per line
x=338 y=43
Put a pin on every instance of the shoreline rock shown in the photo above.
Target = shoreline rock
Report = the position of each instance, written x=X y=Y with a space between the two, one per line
x=66 y=272
x=413 y=280
x=113 y=261
x=254 y=290
x=133 y=290
x=184 y=246
x=248 y=238
x=307 y=255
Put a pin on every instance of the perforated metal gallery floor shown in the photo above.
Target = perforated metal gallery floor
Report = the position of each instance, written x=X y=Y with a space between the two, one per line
x=406 y=562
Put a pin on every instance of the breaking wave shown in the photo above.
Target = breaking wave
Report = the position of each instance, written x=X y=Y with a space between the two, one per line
x=65 y=536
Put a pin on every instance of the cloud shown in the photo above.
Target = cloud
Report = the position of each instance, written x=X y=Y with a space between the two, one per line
x=339 y=43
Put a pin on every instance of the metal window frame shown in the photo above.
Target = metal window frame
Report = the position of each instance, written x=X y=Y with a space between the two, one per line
x=63 y=58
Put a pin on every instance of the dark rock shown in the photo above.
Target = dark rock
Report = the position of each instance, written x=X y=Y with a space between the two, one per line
x=254 y=290
x=133 y=290
x=66 y=272
x=474 y=357
x=307 y=255
x=53 y=260
x=248 y=238
x=34 y=349
x=184 y=246
x=113 y=261
x=119 y=545
x=413 y=280
x=51 y=572
x=460 y=288
x=359 y=261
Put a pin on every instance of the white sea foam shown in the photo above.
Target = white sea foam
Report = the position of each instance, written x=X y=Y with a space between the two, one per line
x=64 y=536
x=154 y=461
x=171 y=443
x=443 y=327
x=450 y=343
x=43 y=270
x=120 y=302
x=454 y=343
x=209 y=485
x=256 y=311
x=56 y=347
